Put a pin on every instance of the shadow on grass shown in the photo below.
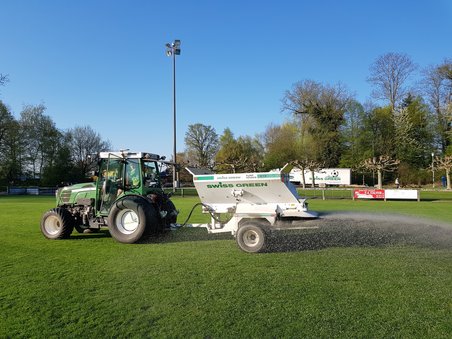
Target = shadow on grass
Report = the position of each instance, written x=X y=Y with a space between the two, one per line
x=103 y=233
x=188 y=234
x=180 y=235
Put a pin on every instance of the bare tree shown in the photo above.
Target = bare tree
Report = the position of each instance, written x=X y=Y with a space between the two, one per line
x=3 y=79
x=405 y=142
x=306 y=164
x=445 y=163
x=84 y=141
x=302 y=165
x=445 y=69
x=389 y=74
x=437 y=88
x=380 y=164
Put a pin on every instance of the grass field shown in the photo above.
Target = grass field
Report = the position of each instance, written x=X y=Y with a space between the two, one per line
x=191 y=284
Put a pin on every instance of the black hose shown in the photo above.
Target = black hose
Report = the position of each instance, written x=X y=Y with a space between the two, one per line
x=210 y=212
x=189 y=215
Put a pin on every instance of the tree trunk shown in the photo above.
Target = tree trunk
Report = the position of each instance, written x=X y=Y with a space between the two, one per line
x=448 y=178
x=303 y=178
x=313 y=179
x=380 y=181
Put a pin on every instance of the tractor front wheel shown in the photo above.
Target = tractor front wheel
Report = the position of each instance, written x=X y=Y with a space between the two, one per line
x=131 y=219
x=251 y=238
x=57 y=223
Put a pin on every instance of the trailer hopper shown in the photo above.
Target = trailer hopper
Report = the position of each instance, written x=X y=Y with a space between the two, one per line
x=250 y=205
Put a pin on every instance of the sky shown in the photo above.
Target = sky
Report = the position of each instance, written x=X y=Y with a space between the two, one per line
x=103 y=63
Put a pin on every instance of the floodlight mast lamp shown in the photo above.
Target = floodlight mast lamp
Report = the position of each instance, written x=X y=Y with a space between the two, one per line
x=173 y=49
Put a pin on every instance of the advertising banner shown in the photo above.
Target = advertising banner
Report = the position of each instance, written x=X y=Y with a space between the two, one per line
x=325 y=176
x=369 y=194
x=402 y=194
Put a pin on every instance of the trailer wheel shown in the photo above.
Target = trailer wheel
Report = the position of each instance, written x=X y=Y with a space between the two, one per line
x=251 y=238
x=132 y=219
x=57 y=223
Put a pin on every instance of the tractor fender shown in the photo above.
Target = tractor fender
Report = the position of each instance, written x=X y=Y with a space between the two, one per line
x=146 y=200
x=260 y=221
x=133 y=218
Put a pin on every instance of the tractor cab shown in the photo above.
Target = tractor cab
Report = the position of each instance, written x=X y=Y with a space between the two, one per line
x=123 y=174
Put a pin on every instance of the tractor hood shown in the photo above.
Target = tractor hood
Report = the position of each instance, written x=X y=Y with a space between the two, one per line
x=70 y=194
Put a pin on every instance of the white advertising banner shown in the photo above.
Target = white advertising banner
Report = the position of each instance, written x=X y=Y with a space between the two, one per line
x=325 y=176
x=401 y=194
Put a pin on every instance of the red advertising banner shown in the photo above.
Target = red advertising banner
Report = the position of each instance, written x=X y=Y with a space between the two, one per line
x=369 y=194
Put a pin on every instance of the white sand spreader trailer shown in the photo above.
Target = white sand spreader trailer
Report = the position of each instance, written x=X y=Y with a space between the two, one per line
x=251 y=205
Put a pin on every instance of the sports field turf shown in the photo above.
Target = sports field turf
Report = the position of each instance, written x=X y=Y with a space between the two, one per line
x=369 y=282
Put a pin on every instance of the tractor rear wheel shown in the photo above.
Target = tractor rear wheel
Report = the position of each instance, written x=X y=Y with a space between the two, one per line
x=57 y=223
x=251 y=238
x=132 y=219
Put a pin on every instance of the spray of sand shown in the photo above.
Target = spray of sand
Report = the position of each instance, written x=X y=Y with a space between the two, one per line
x=347 y=229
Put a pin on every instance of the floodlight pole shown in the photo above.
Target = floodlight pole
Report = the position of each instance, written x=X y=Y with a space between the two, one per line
x=173 y=49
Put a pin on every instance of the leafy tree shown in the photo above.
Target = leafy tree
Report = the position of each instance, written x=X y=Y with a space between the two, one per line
x=389 y=74
x=226 y=138
x=10 y=150
x=422 y=132
x=6 y=118
x=281 y=145
x=39 y=134
x=238 y=155
x=201 y=142
x=287 y=144
x=13 y=153
x=60 y=170
x=378 y=132
x=322 y=109
x=406 y=145
x=352 y=133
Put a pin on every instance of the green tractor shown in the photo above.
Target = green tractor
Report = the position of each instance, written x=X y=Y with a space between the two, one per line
x=126 y=197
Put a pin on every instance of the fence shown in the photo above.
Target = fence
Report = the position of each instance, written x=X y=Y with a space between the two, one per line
x=310 y=193
x=182 y=192
x=30 y=190
x=329 y=193
x=348 y=193
x=326 y=193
